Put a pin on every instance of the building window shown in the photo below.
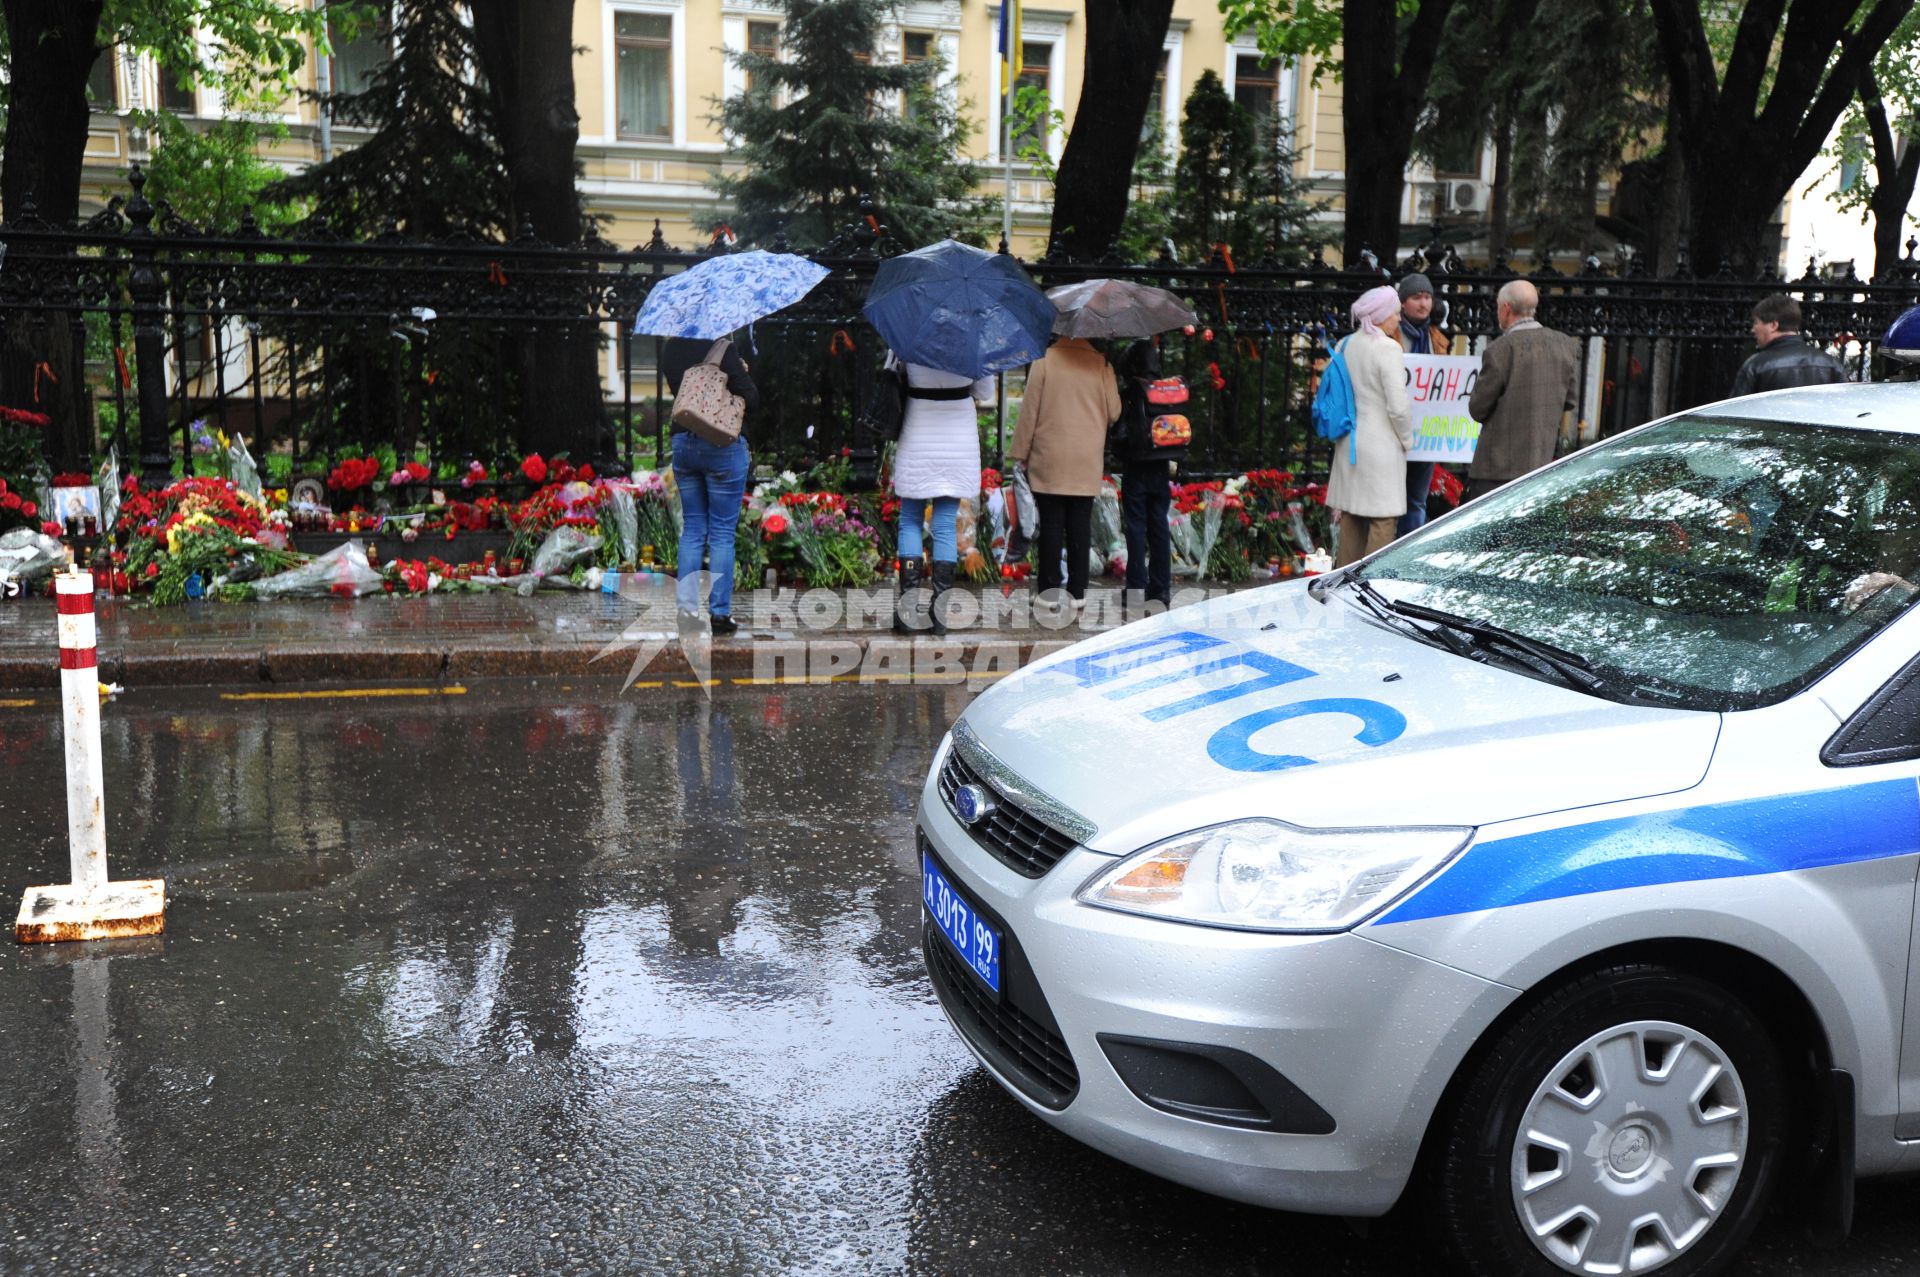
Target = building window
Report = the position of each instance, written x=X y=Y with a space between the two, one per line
x=915 y=46
x=356 y=60
x=763 y=39
x=644 y=50
x=1155 y=123
x=179 y=98
x=103 y=86
x=1036 y=72
x=1256 y=86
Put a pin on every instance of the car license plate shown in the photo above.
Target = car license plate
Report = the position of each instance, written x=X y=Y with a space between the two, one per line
x=977 y=942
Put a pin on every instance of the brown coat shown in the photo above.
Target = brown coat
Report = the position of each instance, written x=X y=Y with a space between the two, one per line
x=1071 y=399
x=1526 y=382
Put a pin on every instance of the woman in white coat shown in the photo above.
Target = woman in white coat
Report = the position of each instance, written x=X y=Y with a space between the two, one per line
x=936 y=465
x=1368 y=485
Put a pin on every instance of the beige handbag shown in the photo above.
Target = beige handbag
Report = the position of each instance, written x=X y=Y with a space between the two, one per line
x=705 y=408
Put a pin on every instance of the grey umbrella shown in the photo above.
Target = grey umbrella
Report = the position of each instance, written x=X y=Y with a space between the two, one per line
x=1116 y=308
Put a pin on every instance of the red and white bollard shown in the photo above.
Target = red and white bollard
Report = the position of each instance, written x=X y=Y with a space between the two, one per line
x=90 y=907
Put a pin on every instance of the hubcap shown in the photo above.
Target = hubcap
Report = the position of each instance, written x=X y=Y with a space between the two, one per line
x=1630 y=1149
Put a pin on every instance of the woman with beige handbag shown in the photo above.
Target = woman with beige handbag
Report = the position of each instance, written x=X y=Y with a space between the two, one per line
x=710 y=470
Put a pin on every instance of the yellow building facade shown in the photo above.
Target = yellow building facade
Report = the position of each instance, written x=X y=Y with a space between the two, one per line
x=649 y=75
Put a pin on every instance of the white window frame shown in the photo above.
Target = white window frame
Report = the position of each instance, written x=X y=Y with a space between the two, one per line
x=677 y=60
x=1037 y=26
x=734 y=16
x=1173 y=97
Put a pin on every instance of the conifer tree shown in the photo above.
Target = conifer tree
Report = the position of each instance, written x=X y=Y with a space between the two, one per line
x=819 y=129
x=433 y=163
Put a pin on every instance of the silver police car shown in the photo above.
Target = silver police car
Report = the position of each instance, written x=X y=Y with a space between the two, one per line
x=1556 y=864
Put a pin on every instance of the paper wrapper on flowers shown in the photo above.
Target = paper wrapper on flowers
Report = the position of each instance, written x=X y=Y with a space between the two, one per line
x=564 y=547
x=1109 y=541
x=621 y=523
x=1193 y=536
x=974 y=564
x=1026 y=514
x=26 y=555
x=108 y=479
x=341 y=572
x=241 y=468
x=996 y=509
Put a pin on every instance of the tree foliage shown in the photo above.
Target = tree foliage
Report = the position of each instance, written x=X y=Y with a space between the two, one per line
x=433 y=163
x=1877 y=141
x=1751 y=119
x=818 y=130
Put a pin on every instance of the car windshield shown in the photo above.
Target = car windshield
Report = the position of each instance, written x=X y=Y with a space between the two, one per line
x=1706 y=562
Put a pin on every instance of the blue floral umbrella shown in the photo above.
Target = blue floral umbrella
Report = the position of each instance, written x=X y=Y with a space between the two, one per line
x=724 y=294
x=959 y=309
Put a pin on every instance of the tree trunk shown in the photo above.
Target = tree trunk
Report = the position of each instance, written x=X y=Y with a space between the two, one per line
x=1754 y=119
x=47 y=114
x=525 y=50
x=1894 y=174
x=1094 y=184
x=44 y=149
x=1502 y=194
x=1384 y=90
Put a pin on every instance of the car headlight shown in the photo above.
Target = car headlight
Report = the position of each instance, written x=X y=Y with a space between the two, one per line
x=1266 y=875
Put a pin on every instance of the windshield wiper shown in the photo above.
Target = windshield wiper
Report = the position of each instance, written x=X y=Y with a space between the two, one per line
x=1395 y=615
x=1570 y=666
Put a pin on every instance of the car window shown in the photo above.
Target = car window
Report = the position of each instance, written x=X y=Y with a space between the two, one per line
x=1713 y=563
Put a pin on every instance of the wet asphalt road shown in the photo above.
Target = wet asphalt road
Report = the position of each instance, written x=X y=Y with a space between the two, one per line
x=543 y=979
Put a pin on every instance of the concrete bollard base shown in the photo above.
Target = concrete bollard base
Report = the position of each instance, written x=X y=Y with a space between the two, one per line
x=69 y=912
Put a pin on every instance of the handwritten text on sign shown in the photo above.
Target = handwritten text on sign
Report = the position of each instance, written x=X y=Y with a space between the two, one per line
x=1439 y=386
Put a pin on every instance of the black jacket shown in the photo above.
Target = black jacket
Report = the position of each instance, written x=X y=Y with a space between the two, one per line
x=1783 y=363
x=682 y=353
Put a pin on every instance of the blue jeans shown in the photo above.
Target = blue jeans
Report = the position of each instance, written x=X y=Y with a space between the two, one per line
x=946 y=528
x=1419 y=483
x=712 y=481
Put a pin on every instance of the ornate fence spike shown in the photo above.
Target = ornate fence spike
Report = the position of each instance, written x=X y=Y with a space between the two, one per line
x=658 y=242
x=525 y=234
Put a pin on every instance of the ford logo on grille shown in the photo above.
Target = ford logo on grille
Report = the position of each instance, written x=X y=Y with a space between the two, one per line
x=972 y=803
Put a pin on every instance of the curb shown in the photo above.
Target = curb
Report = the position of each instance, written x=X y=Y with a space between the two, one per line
x=820 y=659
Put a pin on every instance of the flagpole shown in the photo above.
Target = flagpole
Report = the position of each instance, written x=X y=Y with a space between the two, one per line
x=1008 y=28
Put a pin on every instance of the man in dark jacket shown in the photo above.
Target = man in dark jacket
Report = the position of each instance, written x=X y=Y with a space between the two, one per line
x=1783 y=359
x=1527 y=380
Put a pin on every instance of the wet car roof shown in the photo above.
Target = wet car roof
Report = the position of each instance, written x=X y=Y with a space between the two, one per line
x=1879 y=405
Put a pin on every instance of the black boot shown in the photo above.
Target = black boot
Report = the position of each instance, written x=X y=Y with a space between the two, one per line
x=942 y=584
x=909 y=599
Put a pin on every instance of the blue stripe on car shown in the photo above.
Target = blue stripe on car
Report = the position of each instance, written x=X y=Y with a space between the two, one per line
x=1689 y=844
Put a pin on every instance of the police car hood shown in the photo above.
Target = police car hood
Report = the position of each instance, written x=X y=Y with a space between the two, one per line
x=1273 y=703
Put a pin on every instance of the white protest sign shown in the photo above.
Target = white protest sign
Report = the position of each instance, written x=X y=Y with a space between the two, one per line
x=1439 y=386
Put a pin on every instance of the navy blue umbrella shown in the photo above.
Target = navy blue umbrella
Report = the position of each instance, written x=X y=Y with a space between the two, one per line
x=959 y=309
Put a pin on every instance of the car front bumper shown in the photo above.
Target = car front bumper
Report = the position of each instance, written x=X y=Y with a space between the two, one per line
x=1367 y=1035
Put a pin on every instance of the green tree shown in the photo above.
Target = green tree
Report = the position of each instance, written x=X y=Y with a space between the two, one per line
x=1147 y=229
x=214 y=176
x=1880 y=141
x=433 y=163
x=1750 y=121
x=1383 y=52
x=818 y=130
x=1219 y=152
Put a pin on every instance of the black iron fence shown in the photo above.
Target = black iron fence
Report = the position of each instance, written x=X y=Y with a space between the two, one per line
x=316 y=347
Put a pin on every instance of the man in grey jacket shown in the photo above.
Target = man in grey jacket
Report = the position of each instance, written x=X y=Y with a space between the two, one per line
x=1527 y=377
x=1783 y=359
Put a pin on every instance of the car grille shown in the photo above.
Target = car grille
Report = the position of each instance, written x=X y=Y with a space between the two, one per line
x=1022 y=842
x=1031 y=1055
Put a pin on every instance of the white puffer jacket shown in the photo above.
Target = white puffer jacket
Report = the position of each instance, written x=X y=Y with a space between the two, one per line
x=939 y=451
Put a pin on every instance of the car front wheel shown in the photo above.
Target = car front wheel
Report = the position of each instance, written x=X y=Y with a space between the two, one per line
x=1630 y=1121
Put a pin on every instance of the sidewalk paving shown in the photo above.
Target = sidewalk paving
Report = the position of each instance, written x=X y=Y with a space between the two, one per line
x=491 y=635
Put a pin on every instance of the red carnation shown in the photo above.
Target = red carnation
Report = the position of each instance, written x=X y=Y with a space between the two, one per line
x=28 y=509
x=153 y=570
x=51 y=528
x=774 y=524
x=534 y=468
x=416 y=471
x=584 y=474
x=10 y=501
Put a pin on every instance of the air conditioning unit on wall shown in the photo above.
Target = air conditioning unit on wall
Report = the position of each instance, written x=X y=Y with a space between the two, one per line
x=1467 y=197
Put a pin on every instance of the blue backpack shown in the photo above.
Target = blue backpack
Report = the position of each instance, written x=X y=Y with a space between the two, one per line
x=1333 y=410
